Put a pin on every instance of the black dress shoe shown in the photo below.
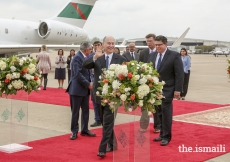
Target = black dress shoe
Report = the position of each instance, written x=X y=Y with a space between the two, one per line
x=95 y=124
x=88 y=133
x=101 y=154
x=157 y=139
x=110 y=149
x=73 y=136
x=164 y=143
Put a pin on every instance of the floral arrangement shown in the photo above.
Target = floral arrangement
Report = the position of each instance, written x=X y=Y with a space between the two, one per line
x=18 y=74
x=135 y=84
x=228 y=68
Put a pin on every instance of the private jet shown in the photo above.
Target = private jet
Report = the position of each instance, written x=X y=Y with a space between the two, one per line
x=56 y=32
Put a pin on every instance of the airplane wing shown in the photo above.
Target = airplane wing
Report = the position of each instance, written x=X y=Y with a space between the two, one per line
x=34 y=48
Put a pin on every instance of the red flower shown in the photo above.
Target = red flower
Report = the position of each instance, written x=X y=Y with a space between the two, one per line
x=150 y=85
x=25 y=70
x=132 y=97
x=7 y=80
x=228 y=71
x=130 y=75
x=120 y=76
x=126 y=63
x=35 y=77
x=105 y=81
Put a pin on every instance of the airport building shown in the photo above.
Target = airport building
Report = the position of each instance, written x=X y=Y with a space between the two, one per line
x=189 y=43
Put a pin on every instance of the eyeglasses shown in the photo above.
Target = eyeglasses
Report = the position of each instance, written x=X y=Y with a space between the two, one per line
x=158 y=44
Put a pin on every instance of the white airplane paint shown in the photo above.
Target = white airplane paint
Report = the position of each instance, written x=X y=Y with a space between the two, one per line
x=56 y=32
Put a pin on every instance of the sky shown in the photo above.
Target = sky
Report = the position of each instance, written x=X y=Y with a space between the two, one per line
x=207 y=19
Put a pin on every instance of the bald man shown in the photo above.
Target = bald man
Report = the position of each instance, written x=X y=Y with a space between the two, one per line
x=131 y=55
x=98 y=62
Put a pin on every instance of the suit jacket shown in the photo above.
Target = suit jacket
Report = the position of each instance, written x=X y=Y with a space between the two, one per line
x=144 y=55
x=171 y=71
x=69 y=59
x=98 y=65
x=128 y=57
x=80 y=77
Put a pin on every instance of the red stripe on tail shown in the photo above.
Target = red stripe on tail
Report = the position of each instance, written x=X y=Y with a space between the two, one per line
x=78 y=10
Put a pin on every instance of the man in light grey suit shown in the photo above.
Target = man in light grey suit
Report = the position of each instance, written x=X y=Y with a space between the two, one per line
x=131 y=55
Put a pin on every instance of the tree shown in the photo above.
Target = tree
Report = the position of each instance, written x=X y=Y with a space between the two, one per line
x=205 y=48
x=95 y=39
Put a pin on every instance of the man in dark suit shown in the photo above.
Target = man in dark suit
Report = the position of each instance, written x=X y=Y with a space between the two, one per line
x=131 y=55
x=98 y=62
x=79 y=89
x=169 y=65
x=144 y=56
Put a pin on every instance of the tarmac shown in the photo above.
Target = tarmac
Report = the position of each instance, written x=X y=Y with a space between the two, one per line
x=208 y=83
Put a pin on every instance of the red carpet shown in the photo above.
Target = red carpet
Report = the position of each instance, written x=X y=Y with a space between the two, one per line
x=61 y=149
x=59 y=97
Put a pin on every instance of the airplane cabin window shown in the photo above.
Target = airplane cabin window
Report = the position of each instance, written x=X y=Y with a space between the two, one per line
x=6 y=31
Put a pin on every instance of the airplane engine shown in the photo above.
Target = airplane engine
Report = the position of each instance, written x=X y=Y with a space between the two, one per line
x=52 y=30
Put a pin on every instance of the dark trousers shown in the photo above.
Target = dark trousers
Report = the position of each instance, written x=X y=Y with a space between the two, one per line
x=144 y=121
x=108 y=136
x=77 y=102
x=69 y=74
x=165 y=115
x=185 y=84
x=96 y=112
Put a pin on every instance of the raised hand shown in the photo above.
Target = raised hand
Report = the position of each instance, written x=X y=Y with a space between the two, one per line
x=98 y=52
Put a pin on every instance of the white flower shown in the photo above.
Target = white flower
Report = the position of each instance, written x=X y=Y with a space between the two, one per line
x=13 y=68
x=127 y=93
x=127 y=89
x=116 y=84
x=140 y=103
x=163 y=82
x=143 y=80
x=31 y=68
x=138 y=68
x=9 y=76
x=105 y=89
x=112 y=66
x=10 y=86
x=17 y=84
x=143 y=90
x=132 y=63
x=137 y=77
x=152 y=101
x=27 y=76
x=2 y=65
x=39 y=88
x=110 y=74
x=21 y=62
x=156 y=80
x=100 y=77
x=121 y=70
x=98 y=93
x=123 y=97
x=130 y=109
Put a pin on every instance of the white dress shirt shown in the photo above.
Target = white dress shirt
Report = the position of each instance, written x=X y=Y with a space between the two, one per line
x=158 y=55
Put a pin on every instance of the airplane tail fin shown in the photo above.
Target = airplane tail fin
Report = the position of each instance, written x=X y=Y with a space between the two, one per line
x=177 y=43
x=76 y=12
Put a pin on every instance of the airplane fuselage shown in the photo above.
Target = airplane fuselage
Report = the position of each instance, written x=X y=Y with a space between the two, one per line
x=25 y=32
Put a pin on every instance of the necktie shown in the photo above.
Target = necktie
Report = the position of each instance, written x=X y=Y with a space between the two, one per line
x=132 y=55
x=107 y=62
x=159 y=62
